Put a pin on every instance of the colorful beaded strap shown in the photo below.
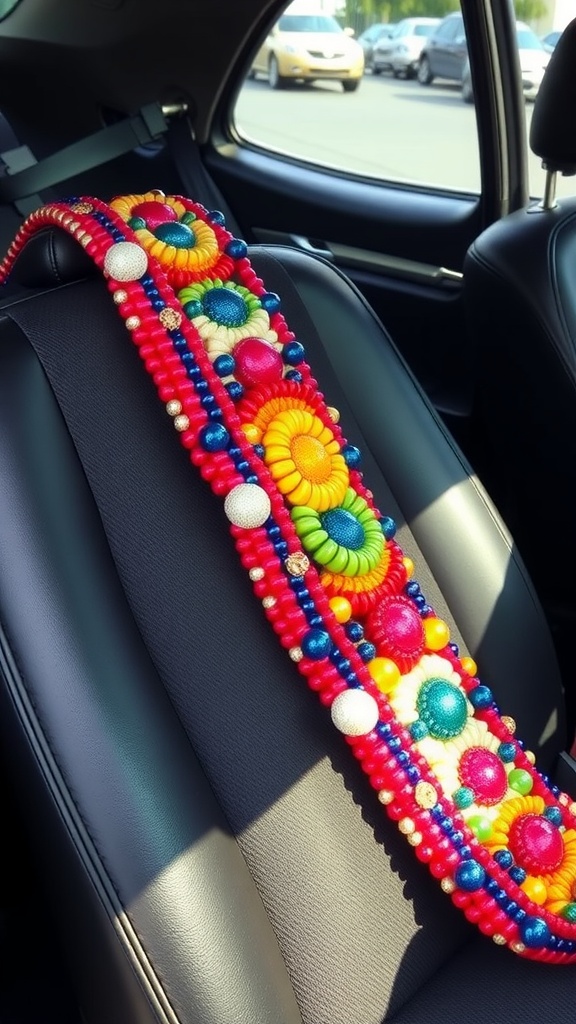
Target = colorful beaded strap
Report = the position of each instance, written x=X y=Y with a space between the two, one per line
x=332 y=580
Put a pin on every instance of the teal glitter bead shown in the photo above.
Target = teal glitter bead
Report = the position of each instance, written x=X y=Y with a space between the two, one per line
x=442 y=707
x=343 y=528
x=177 y=234
x=214 y=437
x=136 y=223
x=225 y=307
x=463 y=797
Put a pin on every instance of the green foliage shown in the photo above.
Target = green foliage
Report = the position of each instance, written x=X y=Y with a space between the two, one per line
x=530 y=10
x=361 y=13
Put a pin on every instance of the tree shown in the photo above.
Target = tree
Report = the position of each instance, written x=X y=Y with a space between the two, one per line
x=361 y=13
x=530 y=10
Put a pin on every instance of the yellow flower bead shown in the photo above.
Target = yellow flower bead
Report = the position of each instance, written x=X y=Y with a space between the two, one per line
x=535 y=890
x=436 y=633
x=385 y=673
x=470 y=666
x=341 y=609
x=251 y=433
x=409 y=566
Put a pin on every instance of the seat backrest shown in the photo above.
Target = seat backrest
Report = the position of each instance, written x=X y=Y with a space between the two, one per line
x=521 y=313
x=212 y=851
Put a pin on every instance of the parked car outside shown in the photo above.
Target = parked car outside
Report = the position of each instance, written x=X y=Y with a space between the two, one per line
x=306 y=47
x=401 y=51
x=445 y=55
x=371 y=35
x=549 y=41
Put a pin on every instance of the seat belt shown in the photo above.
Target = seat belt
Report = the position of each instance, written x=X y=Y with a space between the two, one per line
x=26 y=178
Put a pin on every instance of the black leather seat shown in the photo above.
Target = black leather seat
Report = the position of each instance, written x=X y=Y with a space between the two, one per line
x=212 y=852
x=521 y=304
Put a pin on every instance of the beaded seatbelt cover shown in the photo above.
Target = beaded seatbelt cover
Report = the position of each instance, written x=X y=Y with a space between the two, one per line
x=325 y=565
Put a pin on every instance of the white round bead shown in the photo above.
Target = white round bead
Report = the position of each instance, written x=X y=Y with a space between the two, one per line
x=126 y=261
x=247 y=505
x=354 y=712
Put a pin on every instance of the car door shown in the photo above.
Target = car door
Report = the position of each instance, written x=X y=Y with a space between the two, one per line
x=448 y=47
x=379 y=183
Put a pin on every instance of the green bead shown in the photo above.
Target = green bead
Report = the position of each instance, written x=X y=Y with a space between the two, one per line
x=188 y=217
x=569 y=913
x=463 y=797
x=136 y=223
x=481 y=827
x=520 y=780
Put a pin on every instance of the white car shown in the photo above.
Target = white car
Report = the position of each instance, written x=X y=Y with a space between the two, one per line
x=400 y=52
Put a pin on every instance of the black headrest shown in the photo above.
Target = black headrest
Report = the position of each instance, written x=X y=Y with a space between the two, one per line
x=51 y=257
x=553 y=128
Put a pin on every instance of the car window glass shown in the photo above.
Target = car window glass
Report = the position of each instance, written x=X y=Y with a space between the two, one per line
x=391 y=127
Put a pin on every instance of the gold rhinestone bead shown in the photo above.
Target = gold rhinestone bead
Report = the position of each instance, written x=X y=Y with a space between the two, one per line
x=132 y=322
x=499 y=939
x=425 y=795
x=406 y=826
x=120 y=296
x=448 y=885
x=385 y=796
x=333 y=414
x=173 y=407
x=518 y=947
x=509 y=723
x=81 y=208
x=181 y=422
x=296 y=654
x=73 y=225
x=170 y=318
x=572 y=809
x=415 y=838
x=297 y=563
x=530 y=756
x=257 y=573
x=269 y=601
x=85 y=240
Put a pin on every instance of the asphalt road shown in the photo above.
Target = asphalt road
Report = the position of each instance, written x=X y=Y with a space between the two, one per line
x=390 y=129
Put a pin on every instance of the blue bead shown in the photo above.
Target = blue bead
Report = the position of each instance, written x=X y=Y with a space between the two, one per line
x=418 y=730
x=554 y=814
x=535 y=932
x=425 y=610
x=517 y=874
x=294 y=375
x=225 y=307
x=354 y=631
x=413 y=774
x=293 y=353
x=175 y=233
x=383 y=729
x=469 y=875
x=504 y=858
x=480 y=697
x=201 y=387
x=157 y=305
x=315 y=619
x=235 y=390
x=394 y=743
x=217 y=217
x=366 y=651
x=252 y=479
x=352 y=456
x=270 y=302
x=388 y=527
x=412 y=589
x=492 y=887
x=259 y=450
x=236 y=248
x=224 y=365
x=420 y=601
x=193 y=308
x=507 y=752
x=316 y=644
x=403 y=757
x=214 y=437
x=454 y=648
x=207 y=401
x=215 y=414
x=465 y=852
x=343 y=528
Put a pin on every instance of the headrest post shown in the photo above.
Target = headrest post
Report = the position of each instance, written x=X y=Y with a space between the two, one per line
x=549 y=197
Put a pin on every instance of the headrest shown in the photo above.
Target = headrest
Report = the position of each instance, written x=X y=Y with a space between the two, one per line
x=553 y=128
x=49 y=258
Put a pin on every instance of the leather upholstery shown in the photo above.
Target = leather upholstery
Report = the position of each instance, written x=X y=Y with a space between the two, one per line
x=521 y=313
x=212 y=853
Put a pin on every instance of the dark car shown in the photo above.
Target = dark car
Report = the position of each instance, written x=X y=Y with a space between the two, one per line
x=287 y=546
x=445 y=56
x=370 y=36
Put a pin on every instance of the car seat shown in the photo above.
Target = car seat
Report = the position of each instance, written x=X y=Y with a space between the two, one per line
x=212 y=853
x=521 y=313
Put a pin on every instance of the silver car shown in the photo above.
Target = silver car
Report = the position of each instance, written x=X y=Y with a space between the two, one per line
x=400 y=53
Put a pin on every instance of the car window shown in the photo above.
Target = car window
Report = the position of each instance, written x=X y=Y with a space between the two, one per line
x=294 y=103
